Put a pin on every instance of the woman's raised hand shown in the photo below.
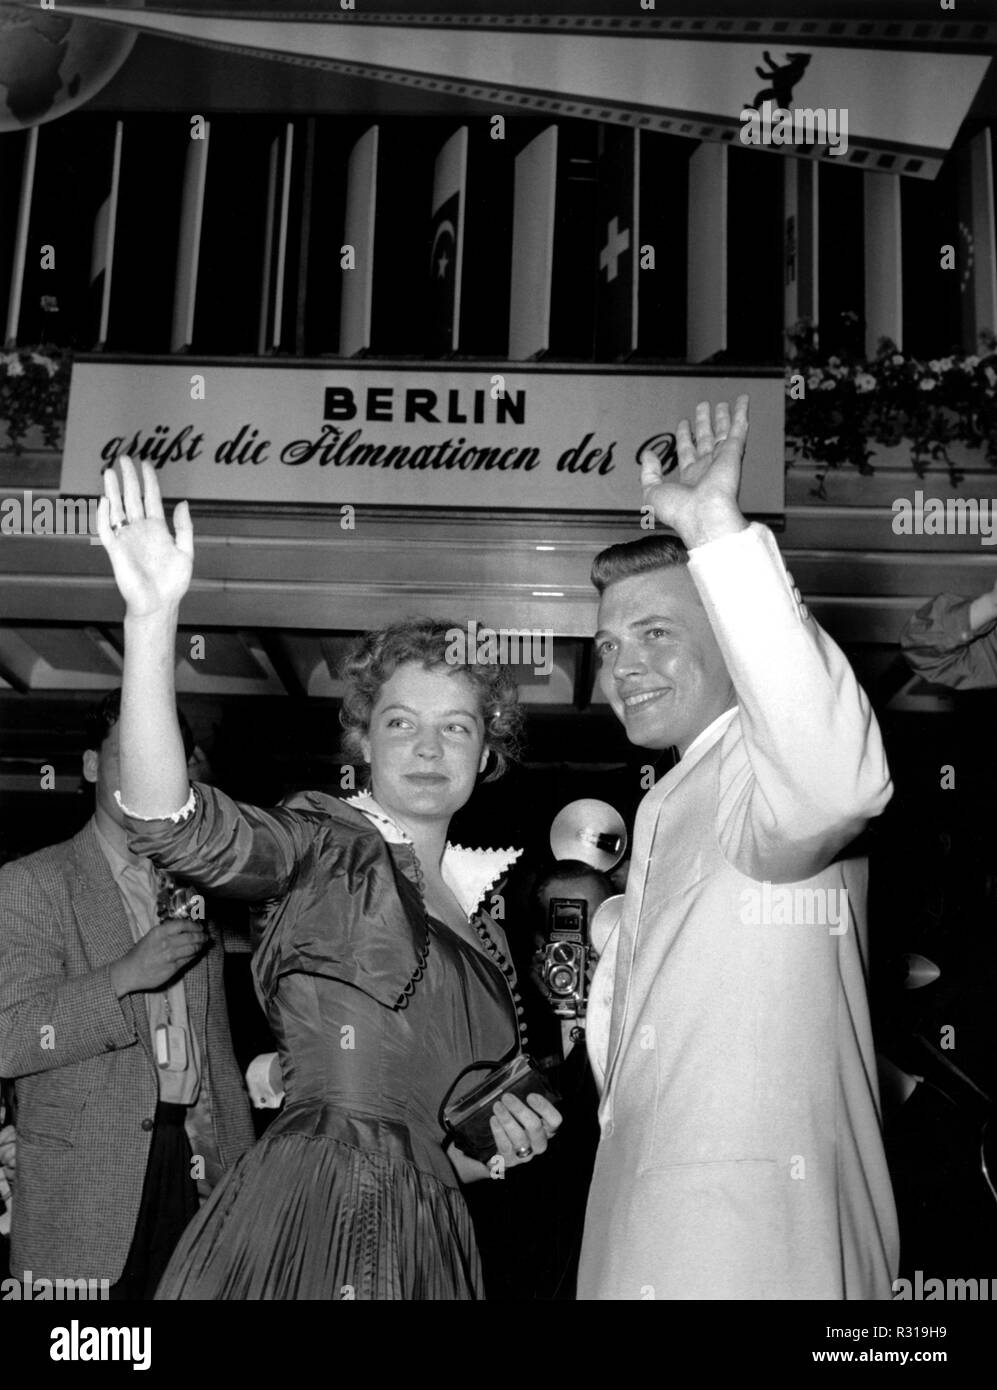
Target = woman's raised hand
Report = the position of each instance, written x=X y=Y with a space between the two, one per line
x=152 y=568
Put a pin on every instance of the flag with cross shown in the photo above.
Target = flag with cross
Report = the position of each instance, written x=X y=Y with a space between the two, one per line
x=618 y=242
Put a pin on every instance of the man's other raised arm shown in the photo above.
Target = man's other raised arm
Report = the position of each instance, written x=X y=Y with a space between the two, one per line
x=812 y=770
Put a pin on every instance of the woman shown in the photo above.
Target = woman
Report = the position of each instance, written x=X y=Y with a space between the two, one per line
x=381 y=976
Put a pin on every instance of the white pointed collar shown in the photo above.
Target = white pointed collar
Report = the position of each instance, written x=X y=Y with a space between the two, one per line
x=712 y=731
x=468 y=873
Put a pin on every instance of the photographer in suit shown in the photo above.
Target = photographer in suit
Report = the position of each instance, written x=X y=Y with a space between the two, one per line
x=114 y=1025
x=8 y=1147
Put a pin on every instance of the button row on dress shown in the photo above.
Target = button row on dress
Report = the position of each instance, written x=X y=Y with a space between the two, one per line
x=506 y=967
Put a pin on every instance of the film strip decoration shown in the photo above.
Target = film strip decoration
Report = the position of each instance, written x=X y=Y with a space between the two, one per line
x=941 y=33
x=420 y=68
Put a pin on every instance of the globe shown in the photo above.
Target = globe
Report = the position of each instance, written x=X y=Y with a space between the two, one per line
x=52 y=61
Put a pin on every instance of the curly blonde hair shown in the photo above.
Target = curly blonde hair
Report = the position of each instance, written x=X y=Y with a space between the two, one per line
x=377 y=655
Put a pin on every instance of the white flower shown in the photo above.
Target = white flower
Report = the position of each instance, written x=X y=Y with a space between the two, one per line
x=40 y=360
x=827 y=385
x=14 y=367
x=970 y=364
x=935 y=365
x=834 y=361
x=897 y=359
x=928 y=383
x=864 y=382
x=814 y=380
x=947 y=364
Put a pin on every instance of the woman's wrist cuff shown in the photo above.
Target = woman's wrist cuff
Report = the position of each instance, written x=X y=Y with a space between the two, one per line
x=185 y=812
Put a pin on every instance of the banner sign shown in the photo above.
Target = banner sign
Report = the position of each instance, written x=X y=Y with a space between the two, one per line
x=893 y=110
x=382 y=435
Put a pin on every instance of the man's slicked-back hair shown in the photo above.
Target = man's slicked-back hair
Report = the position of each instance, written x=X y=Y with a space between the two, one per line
x=637 y=557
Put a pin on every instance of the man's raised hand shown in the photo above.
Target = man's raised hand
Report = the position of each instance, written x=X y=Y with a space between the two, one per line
x=699 y=499
x=151 y=568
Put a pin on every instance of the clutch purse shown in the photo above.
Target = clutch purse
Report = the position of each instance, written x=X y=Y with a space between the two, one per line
x=466 y=1121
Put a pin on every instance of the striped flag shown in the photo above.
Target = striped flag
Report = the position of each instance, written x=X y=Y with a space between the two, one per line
x=533 y=230
x=361 y=208
x=447 y=242
x=619 y=242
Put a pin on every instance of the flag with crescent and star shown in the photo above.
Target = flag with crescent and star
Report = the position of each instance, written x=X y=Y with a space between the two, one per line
x=446 y=251
x=618 y=242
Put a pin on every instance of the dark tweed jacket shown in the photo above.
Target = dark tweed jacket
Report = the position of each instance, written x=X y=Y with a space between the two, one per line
x=86 y=1081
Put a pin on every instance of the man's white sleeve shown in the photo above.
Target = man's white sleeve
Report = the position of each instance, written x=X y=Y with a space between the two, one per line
x=803 y=769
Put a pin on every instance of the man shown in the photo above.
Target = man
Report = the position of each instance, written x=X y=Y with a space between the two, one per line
x=740 y=1154
x=7 y=1160
x=951 y=640
x=114 y=1025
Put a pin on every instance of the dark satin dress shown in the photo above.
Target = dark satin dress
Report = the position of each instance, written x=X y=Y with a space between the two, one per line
x=349 y=1194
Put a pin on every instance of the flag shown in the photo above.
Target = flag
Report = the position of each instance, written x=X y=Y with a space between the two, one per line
x=361 y=207
x=884 y=286
x=534 y=206
x=189 y=246
x=102 y=245
x=19 y=266
x=447 y=243
x=619 y=242
x=100 y=250
x=799 y=210
x=268 y=248
x=976 y=251
x=271 y=324
x=304 y=223
x=707 y=270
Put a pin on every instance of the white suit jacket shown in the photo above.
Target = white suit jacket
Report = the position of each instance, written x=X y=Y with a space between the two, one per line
x=741 y=1154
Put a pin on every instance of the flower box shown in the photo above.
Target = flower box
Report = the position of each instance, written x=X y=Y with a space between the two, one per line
x=34 y=397
x=889 y=475
x=849 y=416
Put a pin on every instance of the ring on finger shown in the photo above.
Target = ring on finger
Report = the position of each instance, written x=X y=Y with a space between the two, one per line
x=524 y=1151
